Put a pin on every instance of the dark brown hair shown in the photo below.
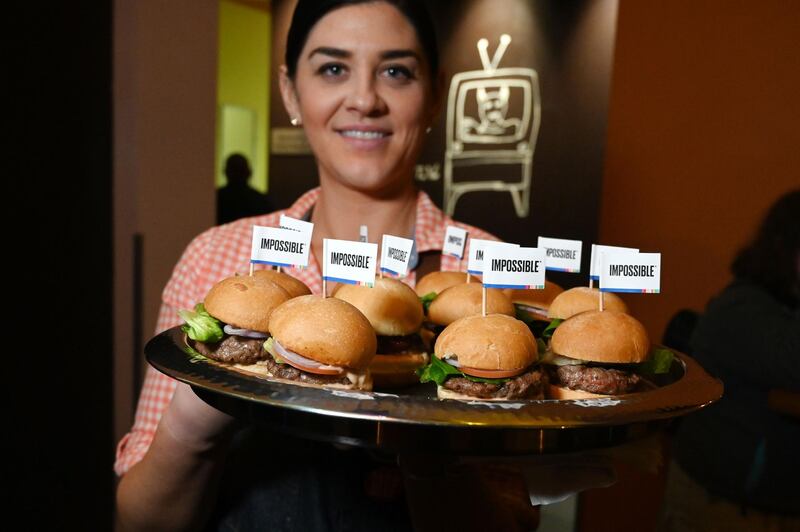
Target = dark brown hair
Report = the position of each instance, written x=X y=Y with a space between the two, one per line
x=308 y=12
x=771 y=259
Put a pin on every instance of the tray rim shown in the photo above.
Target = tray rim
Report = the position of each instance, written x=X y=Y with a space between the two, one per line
x=696 y=389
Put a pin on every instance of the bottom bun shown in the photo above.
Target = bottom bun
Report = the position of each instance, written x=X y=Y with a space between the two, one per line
x=444 y=393
x=396 y=371
x=563 y=393
x=259 y=369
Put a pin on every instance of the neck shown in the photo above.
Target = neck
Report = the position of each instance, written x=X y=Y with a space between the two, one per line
x=340 y=211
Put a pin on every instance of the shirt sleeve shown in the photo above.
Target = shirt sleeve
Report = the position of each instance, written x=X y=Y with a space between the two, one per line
x=745 y=332
x=180 y=292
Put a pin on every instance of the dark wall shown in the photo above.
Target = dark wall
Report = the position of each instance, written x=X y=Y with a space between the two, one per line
x=570 y=45
x=59 y=282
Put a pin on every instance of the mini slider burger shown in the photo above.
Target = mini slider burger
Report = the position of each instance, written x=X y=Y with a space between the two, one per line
x=486 y=358
x=462 y=300
x=596 y=354
x=395 y=312
x=435 y=282
x=531 y=305
x=232 y=323
x=580 y=299
x=321 y=341
x=294 y=287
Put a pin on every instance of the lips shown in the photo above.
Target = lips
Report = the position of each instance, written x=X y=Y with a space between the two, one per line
x=363 y=135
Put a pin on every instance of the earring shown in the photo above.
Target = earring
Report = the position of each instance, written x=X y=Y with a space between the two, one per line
x=428 y=129
x=295 y=121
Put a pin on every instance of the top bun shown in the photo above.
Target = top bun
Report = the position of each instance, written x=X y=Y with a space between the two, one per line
x=327 y=330
x=392 y=307
x=535 y=298
x=295 y=287
x=609 y=336
x=582 y=298
x=493 y=342
x=438 y=281
x=466 y=300
x=245 y=301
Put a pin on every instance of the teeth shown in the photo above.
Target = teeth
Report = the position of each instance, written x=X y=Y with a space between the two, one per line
x=363 y=134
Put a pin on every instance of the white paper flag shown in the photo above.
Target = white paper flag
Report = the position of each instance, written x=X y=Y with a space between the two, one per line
x=594 y=262
x=508 y=267
x=630 y=272
x=280 y=247
x=350 y=262
x=455 y=239
x=562 y=255
x=476 y=250
x=395 y=254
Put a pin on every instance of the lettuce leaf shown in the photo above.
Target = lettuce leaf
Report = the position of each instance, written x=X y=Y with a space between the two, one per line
x=268 y=347
x=426 y=301
x=200 y=325
x=439 y=371
x=659 y=361
x=194 y=355
x=523 y=315
x=550 y=329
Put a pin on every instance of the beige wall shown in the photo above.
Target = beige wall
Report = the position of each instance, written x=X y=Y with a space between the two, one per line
x=164 y=114
x=703 y=135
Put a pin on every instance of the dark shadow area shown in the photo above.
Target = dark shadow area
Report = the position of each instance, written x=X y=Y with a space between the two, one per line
x=60 y=366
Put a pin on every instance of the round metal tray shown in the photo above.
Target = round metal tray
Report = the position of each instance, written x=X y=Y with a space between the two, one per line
x=414 y=419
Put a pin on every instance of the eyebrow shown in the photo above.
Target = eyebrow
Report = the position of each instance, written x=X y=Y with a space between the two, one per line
x=344 y=54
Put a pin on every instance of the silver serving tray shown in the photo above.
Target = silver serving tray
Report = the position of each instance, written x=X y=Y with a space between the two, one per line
x=413 y=419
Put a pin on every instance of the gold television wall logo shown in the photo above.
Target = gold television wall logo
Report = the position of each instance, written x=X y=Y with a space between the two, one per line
x=493 y=118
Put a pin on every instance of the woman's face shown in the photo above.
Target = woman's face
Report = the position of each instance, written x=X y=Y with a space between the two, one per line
x=363 y=92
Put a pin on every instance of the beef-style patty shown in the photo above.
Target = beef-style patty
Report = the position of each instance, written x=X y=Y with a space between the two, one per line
x=389 y=345
x=234 y=350
x=289 y=372
x=529 y=385
x=595 y=379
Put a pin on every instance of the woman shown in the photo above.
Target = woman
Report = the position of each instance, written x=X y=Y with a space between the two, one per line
x=362 y=78
x=735 y=463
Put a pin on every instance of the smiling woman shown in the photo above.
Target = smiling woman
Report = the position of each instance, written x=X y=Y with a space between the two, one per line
x=362 y=79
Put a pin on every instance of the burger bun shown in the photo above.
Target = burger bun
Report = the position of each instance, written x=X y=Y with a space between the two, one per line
x=580 y=299
x=436 y=282
x=295 y=287
x=607 y=336
x=245 y=302
x=493 y=342
x=466 y=300
x=391 y=306
x=328 y=330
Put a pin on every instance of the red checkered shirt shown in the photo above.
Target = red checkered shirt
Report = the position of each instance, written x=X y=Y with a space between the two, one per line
x=220 y=252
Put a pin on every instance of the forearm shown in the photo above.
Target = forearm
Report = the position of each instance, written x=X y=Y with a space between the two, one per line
x=175 y=484
x=172 y=488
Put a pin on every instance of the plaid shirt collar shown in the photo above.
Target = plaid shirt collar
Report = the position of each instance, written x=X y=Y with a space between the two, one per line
x=428 y=229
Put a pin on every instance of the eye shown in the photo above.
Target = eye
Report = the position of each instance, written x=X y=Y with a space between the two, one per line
x=398 y=72
x=332 y=70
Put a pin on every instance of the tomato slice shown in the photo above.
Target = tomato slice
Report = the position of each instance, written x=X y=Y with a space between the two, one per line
x=491 y=373
x=318 y=371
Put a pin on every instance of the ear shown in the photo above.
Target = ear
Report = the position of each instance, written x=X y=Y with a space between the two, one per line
x=289 y=94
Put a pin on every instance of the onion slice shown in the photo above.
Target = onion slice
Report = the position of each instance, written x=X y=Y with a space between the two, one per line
x=532 y=310
x=305 y=364
x=248 y=333
x=485 y=373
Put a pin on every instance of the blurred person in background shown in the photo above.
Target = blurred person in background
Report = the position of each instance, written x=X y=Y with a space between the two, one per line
x=237 y=199
x=735 y=463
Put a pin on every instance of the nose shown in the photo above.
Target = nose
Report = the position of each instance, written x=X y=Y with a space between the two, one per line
x=364 y=98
